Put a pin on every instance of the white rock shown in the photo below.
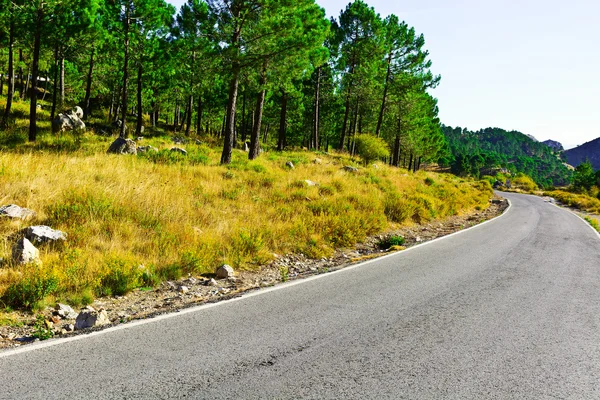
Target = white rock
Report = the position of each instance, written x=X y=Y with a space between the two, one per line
x=65 y=311
x=24 y=252
x=290 y=165
x=89 y=319
x=178 y=150
x=183 y=289
x=311 y=183
x=224 y=271
x=16 y=212
x=44 y=234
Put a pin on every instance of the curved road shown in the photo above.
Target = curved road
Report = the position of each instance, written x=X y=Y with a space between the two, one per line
x=507 y=310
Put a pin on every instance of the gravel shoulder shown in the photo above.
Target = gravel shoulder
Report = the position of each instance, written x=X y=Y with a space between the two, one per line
x=171 y=296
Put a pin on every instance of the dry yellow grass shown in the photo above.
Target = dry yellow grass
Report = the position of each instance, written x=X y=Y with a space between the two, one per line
x=132 y=221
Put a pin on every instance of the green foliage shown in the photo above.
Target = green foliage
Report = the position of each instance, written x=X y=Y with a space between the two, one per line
x=593 y=223
x=119 y=278
x=584 y=177
x=394 y=240
x=29 y=291
x=494 y=150
x=371 y=148
x=41 y=328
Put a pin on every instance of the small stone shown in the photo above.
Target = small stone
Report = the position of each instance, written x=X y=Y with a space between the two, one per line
x=146 y=149
x=44 y=234
x=139 y=138
x=317 y=161
x=183 y=289
x=310 y=183
x=15 y=212
x=178 y=150
x=69 y=327
x=24 y=252
x=418 y=239
x=65 y=311
x=56 y=319
x=212 y=282
x=89 y=319
x=224 y=271
x=290 y=165
x=349 y=168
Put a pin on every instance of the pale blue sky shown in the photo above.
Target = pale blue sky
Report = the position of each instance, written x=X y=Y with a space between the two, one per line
x=528 y=65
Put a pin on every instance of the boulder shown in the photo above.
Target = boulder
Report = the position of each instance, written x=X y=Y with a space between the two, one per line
x=179 y=150
x=317 y=161
x=16 y=212
x=78 y=111
x=290 y=165
x=44 y=234
x=146 y=149
x=24 y=252
x=89 y=318
x=122 y=146
x=179 y=140
x=64 y=311
x=349 y=168
x=497 y=185
x=69 y=121
x=224 y=271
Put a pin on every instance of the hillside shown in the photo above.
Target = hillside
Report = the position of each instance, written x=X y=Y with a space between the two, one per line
x=135 y=220
x=587 y=151
x=492 y=149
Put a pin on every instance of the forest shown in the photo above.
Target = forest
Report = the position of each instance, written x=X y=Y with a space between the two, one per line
x=261 y=74
x=489 y=150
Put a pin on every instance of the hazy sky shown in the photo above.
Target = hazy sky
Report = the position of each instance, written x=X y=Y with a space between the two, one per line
x=527 y=65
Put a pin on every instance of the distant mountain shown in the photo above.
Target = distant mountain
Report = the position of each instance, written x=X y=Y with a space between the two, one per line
x=490 y=150
x=587 y=151
x=532 y=138
x=553 y=144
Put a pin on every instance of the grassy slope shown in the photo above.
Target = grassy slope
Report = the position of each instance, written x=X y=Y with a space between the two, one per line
x=133 y=221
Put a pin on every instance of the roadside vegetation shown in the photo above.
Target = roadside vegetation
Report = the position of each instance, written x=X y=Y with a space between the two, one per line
x=133 y=221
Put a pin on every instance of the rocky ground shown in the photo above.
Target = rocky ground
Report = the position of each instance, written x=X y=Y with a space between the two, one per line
x=175 y=295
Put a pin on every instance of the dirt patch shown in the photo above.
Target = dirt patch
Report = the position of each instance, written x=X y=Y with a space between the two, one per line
x=191 y=291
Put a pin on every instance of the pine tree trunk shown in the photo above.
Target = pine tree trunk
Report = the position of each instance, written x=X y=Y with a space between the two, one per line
x=54 y=85
x=140 y=109
x=126 y=22
x=317 y=106
x=62 y=83
x=345 y=125
x=35 y=67
x=1 y=84
x=199 y=116
x=243 y=127
x=260 y=103
x=229 y=122
x=384 y=99
x=281 y=142
x=11 y=74
x=88 y=87
x=188 y=127
x=21 y=80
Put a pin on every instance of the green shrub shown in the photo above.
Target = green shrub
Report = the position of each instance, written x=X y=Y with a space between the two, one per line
x=119 y=278
x=395 y=240
x=28 y=292
x=371 y=148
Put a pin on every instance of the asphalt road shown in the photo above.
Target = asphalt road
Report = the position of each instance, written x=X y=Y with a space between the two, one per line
x=507 y=310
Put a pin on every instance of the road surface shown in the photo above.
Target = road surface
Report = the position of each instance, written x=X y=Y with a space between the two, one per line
x=507 y=310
